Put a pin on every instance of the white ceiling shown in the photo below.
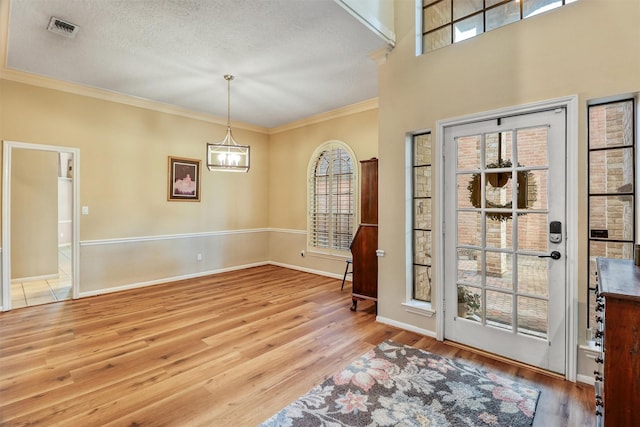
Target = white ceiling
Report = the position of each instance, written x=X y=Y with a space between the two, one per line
x=291 y=59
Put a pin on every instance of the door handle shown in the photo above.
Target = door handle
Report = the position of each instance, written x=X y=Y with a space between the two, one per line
x=554 y=255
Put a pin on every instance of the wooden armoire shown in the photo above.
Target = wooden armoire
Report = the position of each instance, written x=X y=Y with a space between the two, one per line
x=365 y=241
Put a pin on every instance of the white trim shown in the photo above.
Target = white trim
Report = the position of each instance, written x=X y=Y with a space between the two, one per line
x=359 y=107
x=171 y=237
x=405 y=326
x=370 y=21
x=306 y=270
x=167 y=280
x=420 y=308
x=287 y=230
x=202 y=274
x=35 y=278
x=571 y=105
x=5 y=282
x=188 y=236
x=585 y=379
x=310 y=184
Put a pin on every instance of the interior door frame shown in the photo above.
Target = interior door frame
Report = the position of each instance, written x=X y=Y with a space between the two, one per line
x=8 y=147
x=570 y=103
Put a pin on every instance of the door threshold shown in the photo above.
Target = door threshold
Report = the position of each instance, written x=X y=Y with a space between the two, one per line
x=505 y=360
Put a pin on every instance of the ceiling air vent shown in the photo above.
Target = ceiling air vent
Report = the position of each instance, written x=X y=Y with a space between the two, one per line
x=63 y=28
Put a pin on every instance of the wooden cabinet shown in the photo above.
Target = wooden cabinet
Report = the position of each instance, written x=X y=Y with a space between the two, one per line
x=365 y=242
x=618 y=385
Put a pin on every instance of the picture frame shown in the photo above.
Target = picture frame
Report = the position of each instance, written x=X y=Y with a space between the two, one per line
x=183 y=180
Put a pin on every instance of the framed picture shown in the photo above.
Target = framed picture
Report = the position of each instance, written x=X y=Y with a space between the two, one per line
x=184 y=180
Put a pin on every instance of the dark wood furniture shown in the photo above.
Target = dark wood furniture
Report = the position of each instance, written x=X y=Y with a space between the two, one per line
x=365 y=242
x=618 y=386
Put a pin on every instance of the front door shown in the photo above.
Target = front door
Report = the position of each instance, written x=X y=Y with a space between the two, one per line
x=504 y=242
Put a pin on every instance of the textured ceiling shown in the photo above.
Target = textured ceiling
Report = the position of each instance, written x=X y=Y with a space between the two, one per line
x=291 y=58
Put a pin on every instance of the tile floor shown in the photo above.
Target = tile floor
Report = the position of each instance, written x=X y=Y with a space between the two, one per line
x=36 y=292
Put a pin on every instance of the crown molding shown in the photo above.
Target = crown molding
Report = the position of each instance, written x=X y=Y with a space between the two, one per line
x=105 y=95
x=370 y=104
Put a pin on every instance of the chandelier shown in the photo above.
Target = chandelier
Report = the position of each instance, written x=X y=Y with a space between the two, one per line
x=227 y=155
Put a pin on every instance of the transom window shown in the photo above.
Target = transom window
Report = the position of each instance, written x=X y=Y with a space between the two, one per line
x=451 y=21
x=332 y=183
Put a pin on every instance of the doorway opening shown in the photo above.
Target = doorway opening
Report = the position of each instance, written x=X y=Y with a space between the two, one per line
x=508 y=276
x=40 y=228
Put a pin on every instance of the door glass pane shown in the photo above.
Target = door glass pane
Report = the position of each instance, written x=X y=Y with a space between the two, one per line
x=470 y=303
x=532 y=146
x=533 y=316
x=503 y=15
x=533 y=275
x=532 y=191
x=611 y=171
x=499 y=309
x=613 y=214
x=468 y=28
x=499 y=232
x=437 y=15
x=498 y=150
x=469 y=191
x=469 y=228
x=468 y=152
x=499 y=270
x=498 y=190
x=462 y=8
x=532 y=232
x=470 y=267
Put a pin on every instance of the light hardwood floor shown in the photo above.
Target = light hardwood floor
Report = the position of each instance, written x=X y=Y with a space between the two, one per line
x=225 y=350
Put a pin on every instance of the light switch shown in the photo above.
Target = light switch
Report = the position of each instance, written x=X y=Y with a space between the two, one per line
x=85 y=210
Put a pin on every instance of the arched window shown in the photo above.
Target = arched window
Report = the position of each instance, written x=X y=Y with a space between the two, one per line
x=332 y=198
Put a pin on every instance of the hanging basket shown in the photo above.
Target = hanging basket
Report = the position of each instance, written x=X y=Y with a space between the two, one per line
x=527 y=190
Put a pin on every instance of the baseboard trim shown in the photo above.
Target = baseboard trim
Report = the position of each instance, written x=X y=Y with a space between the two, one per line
x=307 y=270
x=405 y=326
x=166 y=280
x=505 y=359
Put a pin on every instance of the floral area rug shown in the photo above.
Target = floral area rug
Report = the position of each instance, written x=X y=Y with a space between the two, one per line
x=398 y=385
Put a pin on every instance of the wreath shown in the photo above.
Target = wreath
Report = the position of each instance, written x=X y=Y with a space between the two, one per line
x=527 y=190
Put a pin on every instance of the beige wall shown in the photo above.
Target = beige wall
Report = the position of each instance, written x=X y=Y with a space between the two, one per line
x=34 y=213
x=588 y=48
x=123 y=181
x=289 y=154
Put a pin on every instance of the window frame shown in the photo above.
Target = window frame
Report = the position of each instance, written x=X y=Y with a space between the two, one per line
x=591 y=326
x=422 y=5
x=311 y=197
x=411 y=304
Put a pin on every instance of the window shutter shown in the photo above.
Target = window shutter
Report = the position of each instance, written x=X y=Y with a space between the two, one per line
x=331 y=200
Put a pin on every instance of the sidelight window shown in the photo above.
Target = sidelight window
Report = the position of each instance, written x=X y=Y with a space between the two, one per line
x=422 y=223
x=612 y=230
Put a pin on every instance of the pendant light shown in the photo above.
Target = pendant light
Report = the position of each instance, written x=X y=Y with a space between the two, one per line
x=227 y=155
